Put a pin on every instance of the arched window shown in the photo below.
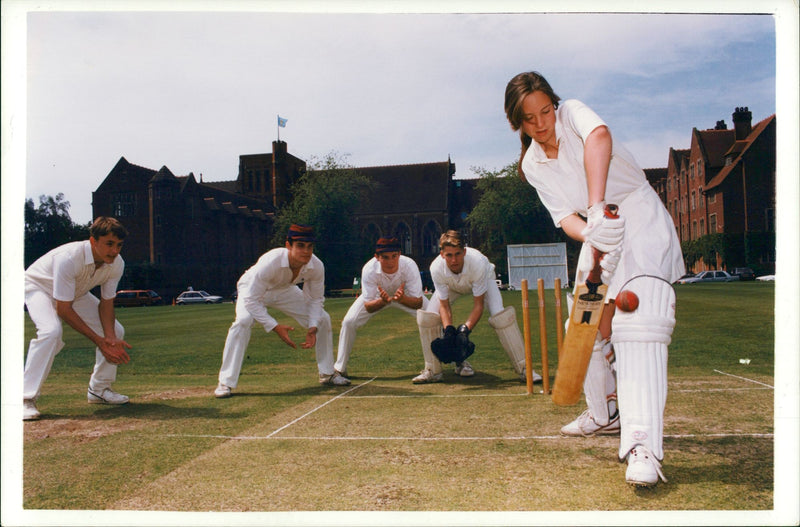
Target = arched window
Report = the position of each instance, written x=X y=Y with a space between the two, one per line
x=403 y=233
x=430 y=238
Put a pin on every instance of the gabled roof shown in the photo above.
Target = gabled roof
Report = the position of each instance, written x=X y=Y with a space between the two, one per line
x=713 y=144
x=677 y=156
x=126 y=175
x=738 y=150
x=428 y=184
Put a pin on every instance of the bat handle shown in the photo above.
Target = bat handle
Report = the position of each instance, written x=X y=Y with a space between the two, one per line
x=594 y=279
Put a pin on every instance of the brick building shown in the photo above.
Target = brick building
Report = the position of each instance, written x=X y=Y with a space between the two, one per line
x=724 y=185
x=187 y=232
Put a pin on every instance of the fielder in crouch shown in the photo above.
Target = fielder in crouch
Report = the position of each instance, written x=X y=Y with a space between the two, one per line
x=273 y=282
x=461 y=270
x=569 y=157
x=57 y=289
x=388 y=280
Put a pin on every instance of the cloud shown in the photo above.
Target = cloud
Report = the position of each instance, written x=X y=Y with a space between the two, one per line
x=194 y=90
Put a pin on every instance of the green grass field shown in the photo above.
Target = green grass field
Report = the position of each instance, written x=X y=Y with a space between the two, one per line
x=285 y=443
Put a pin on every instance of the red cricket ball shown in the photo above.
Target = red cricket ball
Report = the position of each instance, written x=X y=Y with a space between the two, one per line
x=627 y=301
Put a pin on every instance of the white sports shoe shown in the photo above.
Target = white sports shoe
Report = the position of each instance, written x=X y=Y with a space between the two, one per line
x=222 y=391
x=535 y=376
x=643 y=468
x=336 y=379
x=464 y=369
x=29 y=411
x=107 y=397
x=427 y=376
x=586 y=426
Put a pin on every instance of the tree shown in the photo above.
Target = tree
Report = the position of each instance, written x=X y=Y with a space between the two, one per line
x=49 y=225
x=509 y=212
x=327 y=196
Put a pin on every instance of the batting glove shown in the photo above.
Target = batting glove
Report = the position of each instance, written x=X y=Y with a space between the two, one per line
x=603 y=232
x=608 y=263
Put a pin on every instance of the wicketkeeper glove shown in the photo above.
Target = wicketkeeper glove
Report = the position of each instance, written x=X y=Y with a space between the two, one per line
x=603 y=232
x=464 y=347
x=454 y=345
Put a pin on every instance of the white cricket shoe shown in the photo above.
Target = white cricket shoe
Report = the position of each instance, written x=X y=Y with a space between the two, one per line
x=586 y=426
x=222 y=391
x=108 y=396
x=29 y=411
x=643 y=468
x=535 y=376
x=336 y=379
x=427 y=376
x=464 y=369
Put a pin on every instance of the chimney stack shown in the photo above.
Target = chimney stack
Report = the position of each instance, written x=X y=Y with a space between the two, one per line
x=721 y=125
x=742 y=122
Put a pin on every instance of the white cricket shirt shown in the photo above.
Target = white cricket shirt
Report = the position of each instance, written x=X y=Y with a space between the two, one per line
x=270 y=274
x=473 y=278
x=68 y=272
x=373 y=277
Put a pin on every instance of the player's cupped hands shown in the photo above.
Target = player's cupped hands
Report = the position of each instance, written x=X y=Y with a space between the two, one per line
x=282 y=330
x=398 y=295
x=114 y=350
x=384 y=295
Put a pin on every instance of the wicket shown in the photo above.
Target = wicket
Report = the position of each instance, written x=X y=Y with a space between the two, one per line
x=542 y=331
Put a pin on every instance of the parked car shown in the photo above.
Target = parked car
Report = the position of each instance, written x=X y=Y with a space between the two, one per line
x=709 y=276
x=744 y=273
x=137 y=297
x=766 y=278
x=197 y=297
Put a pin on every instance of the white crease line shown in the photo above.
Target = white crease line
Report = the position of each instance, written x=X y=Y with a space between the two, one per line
x=432 y=396
x=408 y=438
x=745 y=379
x=706 y=390
x=320 y=406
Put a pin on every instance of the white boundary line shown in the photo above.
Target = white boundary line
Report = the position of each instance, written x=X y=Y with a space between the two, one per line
x=329 y=401
x=745 y=379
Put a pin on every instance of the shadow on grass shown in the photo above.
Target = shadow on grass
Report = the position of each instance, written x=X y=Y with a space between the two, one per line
x=157 y=411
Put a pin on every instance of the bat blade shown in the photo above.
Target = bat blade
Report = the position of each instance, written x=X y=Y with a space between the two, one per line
x=578 y=343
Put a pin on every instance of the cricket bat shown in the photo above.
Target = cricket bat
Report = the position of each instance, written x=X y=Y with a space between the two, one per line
x=576 y=351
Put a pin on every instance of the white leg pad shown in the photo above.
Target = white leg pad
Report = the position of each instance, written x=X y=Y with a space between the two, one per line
x=600 y=386
x=640 y=340
x=430 y=328
x=505 y=325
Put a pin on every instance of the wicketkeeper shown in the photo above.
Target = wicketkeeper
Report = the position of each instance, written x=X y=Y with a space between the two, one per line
x=569 y=157
x=461 y=270
x=273 y=282
x=57 y=289
x=389 y=280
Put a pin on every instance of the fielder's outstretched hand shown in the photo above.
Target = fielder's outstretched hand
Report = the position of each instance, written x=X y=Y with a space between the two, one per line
x=282 y=330
x=114 y=350
x=311 y=338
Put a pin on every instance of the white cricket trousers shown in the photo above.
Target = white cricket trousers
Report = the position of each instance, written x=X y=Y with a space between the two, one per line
x=493 y=299
x=49 y=329
x=289 y=300
x=356 y=317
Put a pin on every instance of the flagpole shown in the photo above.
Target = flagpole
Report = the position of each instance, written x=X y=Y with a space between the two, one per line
x=279 y=128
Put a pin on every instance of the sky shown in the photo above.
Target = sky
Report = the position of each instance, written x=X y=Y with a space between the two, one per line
x=194 y=90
